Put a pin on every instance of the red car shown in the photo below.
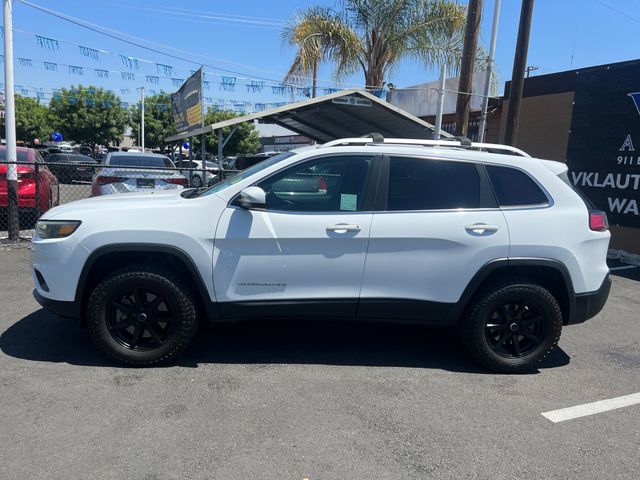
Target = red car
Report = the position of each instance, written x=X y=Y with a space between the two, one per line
x=34 y=196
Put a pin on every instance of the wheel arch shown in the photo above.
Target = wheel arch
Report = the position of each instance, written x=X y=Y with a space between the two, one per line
x=109 y=258
x=549 y=273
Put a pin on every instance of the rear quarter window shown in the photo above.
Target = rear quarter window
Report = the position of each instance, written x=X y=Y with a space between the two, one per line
x=515 y=188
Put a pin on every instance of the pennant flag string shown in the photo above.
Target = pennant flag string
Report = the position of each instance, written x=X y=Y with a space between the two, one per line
x=228 y=83
x=133 y=63
x=47 y=43
x=130 y=62
x=52 y=67
x=101 y=73
x=255 y=86
x=25 y=62
x=165 y=70
x=75 y=70
x=91 y=53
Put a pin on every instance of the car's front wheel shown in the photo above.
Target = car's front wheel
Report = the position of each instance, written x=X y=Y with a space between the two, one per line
x=512 y=327
x=142 y=315
x=196 y=181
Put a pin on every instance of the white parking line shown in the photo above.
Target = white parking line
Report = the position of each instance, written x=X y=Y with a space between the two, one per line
x=626 y=267
x=592 y=408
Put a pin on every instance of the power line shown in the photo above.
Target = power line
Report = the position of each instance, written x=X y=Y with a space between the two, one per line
x=624 y=14
x=215 y=17
x=201 y=12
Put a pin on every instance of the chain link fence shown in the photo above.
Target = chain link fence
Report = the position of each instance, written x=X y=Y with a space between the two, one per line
x=43 y=185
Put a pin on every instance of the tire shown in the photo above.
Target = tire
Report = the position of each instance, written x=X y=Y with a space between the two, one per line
x=512 y=327
x=153 y=301
x=196 y=181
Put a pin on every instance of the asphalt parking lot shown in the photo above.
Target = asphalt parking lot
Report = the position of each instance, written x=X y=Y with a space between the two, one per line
x=321 y=401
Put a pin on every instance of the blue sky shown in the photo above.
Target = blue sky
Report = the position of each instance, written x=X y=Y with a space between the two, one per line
x=243 y=36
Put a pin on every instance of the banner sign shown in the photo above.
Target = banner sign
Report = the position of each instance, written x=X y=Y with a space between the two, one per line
x=603 y=153
x=186 y=104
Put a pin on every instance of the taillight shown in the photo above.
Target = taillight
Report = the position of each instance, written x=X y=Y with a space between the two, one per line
x=598 y=221
x=105 y=180
x=177 y=181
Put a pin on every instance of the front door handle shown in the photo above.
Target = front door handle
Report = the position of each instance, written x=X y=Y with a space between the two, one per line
x=481 y=228
x=344 y=228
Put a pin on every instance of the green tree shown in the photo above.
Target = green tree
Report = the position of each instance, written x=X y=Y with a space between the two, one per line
x=245 y=139
x=90 y=115
x=31 y=120
x=373 y=36
x=158 y=122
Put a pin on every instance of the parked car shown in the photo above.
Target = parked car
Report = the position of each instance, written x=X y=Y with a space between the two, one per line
x=123 y=172
x=192 y=169
x=477 y=236
x=69 y=167
x=36 y=194
x=85 y=150
x=65 y=147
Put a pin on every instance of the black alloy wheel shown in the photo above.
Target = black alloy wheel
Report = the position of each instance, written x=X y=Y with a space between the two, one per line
x=140 y=319
x=515 y=328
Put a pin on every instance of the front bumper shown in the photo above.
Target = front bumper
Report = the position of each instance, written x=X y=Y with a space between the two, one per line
x=63 y=309
x=588 y=305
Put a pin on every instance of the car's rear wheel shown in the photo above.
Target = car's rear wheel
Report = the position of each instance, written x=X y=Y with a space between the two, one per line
x=196 y=181
x=512 y=327
x=142 y=315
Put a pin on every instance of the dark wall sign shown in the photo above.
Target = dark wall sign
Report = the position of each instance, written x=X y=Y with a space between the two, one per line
x=603 y=154
x=186 y=104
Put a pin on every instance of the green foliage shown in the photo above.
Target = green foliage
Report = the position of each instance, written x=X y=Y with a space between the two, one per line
x=31 y=120
x=158 y=123
x=374 y=36
x=89 y=115
x=244 y=140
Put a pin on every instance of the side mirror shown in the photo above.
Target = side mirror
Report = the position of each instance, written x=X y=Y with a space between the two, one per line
x=252 y=198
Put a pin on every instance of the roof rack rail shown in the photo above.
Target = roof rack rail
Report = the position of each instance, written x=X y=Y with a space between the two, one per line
x=459 y=142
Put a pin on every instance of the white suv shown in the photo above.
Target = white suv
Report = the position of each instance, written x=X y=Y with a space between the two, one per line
x=442 y=232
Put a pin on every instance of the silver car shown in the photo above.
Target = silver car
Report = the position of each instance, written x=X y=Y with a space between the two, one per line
x=123 y=172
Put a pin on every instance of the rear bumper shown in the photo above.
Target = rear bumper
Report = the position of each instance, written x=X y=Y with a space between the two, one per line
x=63 y=309
x=588 y=305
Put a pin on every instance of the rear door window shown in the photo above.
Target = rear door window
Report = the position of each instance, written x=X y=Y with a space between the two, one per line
x=425 y=184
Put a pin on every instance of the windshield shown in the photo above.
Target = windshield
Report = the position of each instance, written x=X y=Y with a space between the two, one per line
x=218 y=187
x=21 y=155
x=139 y=161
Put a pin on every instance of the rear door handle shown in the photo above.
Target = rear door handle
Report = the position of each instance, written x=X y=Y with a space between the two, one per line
x=481 y=228
x=344 y=228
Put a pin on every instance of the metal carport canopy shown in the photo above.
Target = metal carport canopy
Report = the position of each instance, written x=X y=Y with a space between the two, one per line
x=348 y=113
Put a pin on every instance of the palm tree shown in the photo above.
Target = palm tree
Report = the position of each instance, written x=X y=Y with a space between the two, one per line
x=373 y=36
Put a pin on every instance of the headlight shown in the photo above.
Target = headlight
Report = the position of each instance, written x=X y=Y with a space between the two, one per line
x=56 y=228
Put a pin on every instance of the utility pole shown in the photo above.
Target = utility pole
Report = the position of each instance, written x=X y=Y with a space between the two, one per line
x=142 y=118
x=487 y=86
x=474 y=14
x=13 y=226
x=530 y=69
x=517 y=77
x=440 y=105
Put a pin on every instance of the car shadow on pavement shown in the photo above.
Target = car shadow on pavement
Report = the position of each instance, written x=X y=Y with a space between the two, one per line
x=42 y=336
